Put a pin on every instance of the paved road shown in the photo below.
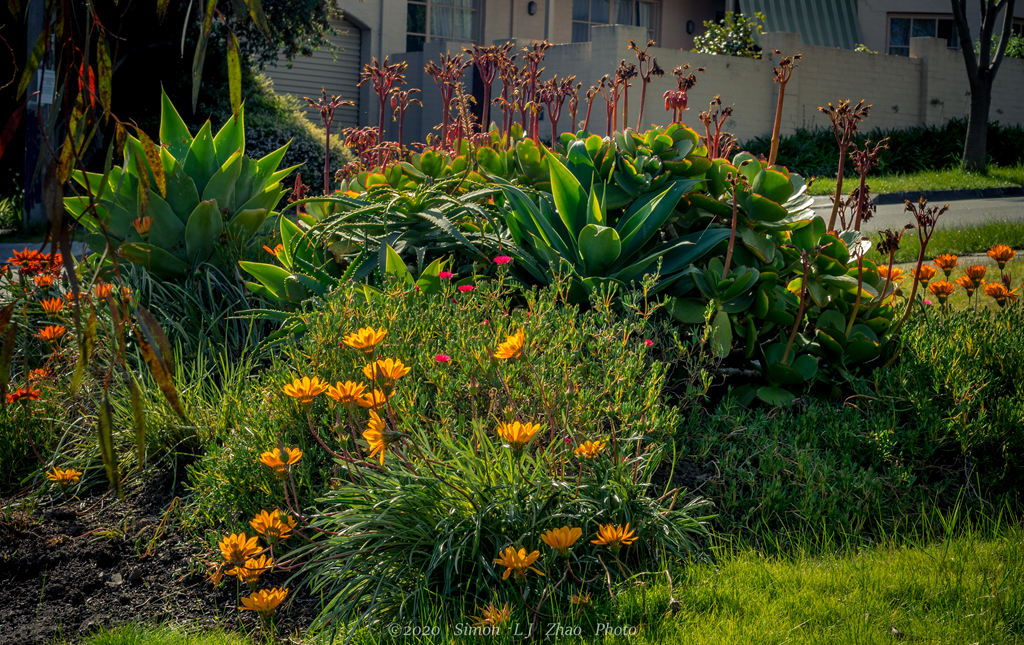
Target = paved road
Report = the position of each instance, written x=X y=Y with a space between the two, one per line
x=962 y=213
x=6 y=248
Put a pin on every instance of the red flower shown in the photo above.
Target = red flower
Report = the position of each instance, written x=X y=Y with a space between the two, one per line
x=502 y=259
x=442 y=358
x=648 y=342
x=446 y=275
x=23 y=394
x=466 y=288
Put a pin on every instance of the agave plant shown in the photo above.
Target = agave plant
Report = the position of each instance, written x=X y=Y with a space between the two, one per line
x=192 y=200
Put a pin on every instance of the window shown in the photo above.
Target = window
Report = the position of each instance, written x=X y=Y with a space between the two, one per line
x=903 y=28
x=613 y=12
x=440 y=19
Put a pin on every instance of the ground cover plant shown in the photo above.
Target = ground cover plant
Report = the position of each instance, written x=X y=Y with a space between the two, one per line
x=496 y=379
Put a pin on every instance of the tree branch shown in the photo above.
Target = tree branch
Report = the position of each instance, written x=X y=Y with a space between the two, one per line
x=1004 y=38
x=966 y=44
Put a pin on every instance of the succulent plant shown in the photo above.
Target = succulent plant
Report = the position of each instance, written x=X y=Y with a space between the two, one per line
x=203 y=201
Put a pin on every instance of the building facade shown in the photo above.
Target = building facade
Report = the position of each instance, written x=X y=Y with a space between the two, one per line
x=419 y=30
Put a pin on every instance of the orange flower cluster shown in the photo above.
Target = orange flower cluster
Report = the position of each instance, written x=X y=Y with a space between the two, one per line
x=33 y=262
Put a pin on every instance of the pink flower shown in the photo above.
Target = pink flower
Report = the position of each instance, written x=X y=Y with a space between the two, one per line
x=442 y=358
x=648 y=342
x=417 y=287
x=446 y=275
x=466 y=288
x=502 y=259
x=927 y=302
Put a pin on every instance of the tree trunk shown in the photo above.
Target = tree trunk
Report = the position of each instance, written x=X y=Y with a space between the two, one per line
x=975 y=143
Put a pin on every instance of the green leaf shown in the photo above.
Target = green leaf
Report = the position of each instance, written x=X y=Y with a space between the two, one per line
x=762 y=209
x=174 y=133
x=231 y=138
x=105 y=70
x=687 y=310
x=646 y=217
x=721 y=334
x=599 y=248
x=221 y=186
x=32 y=64
x=166 y=230
x=105 y=433
x=775 y=396
x=202 y=232
x=200 y=54
x=271 y=276
x=138 y=420
x=245 y=224
x=234 y=75
x=570 y=200
x=201 y=158
x=153 y=258
x=255 y=8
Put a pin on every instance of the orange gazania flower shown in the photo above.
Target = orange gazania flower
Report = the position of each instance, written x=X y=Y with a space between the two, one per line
x=376 y=437
x=894 y=275
x=142 y=224
x=947 y=262
x=253 y=568
x=976 y=272
x=925 y=273
x=270 y=525
x=589 y=449
x=43 y=281
x=264 y=601
x=64 y=477
x=236 y=548
x=966 y=284
x=562 y=539
x=51 y=333
x=517 y=434
x=102 y=290
x=493 y=615
x=518 y=562
x=512 y=347
x=52 y=306
x=347 y=393
x=385 y=372
x=280 y=460
x=375 y=399
x=305 y=389
x=39 y=373
x=23 y=394
x=998 y=292
x=942 y=289
x=365 y=339
x=1001 y=254
x=614 y=536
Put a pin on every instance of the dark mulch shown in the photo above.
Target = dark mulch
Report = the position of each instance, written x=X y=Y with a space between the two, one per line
x=72 y=567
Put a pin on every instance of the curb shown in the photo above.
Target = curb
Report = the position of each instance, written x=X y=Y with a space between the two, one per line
x=949 y=195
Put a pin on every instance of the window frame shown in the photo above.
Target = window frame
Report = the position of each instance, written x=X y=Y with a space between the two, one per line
x=653 y=32
x=476 y=13
x=934 y=17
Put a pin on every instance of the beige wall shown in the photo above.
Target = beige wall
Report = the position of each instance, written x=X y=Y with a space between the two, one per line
x=874 y=25
x=930 y=87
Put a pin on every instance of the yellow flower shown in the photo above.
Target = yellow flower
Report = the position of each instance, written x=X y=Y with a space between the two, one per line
x=64 y=477
x=493 y=616
x=305 y=389
x=51 y=333
x=517 y=434
x=999 y=293
x=51 y=306
x=270 y=525
x=264 y=601
x=926 y=273
x=562 y=539
x=253 y=568
x=976 y=272
x=518 y=562
x=512 y=347
x=374 y=400
x=942 y=290
x=967 y=284
x=582 y=600
x=947 y=262
x=385 y=372
x=280 y=460
x=376 y=436
x=589 y=449
x=142 y=224
x=236 y=548
x=614 y=536
x=1001 y=254
x=346 y=393
x=366 y=339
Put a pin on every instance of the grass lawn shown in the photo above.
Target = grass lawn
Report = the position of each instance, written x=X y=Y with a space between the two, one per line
x=962 y=241
x=951 y=178
x=960 y=590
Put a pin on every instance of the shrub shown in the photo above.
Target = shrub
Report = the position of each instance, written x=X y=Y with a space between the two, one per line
x=734 y=35
x=448 y=496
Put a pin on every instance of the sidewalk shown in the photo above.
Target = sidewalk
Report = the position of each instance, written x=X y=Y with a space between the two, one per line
x=962 y=213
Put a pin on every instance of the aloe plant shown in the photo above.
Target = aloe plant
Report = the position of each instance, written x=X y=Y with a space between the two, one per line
x=193 y=199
